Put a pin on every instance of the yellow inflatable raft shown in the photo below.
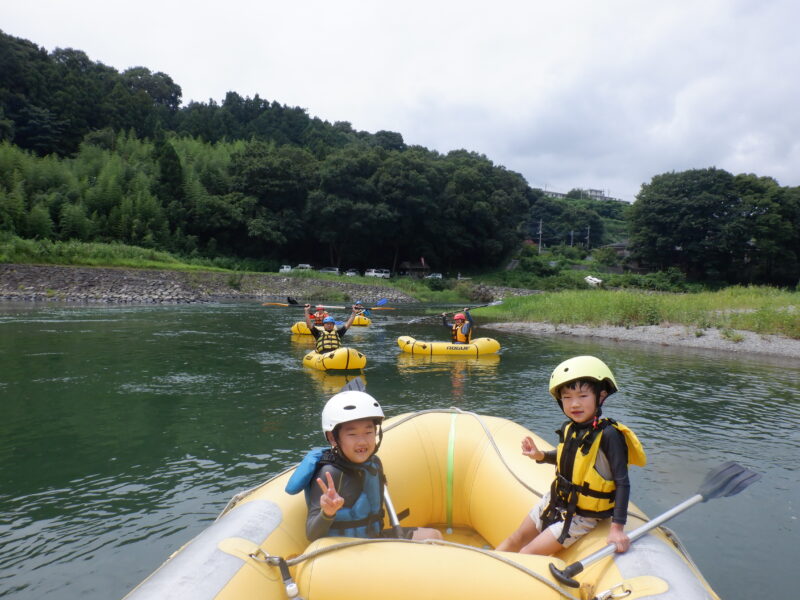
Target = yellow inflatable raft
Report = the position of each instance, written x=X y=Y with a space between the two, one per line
x=300 y=328
x=341 y=359
x=361 y=321
x=456 y=471
x=477 y=347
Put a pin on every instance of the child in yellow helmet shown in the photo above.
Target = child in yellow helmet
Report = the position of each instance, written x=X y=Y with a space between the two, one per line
x=591 y=462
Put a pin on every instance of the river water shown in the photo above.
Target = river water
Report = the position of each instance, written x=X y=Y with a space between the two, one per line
x=125 y=430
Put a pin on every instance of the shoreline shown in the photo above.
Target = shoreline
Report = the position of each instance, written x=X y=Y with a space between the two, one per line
x=35 y=284
x=679 y=336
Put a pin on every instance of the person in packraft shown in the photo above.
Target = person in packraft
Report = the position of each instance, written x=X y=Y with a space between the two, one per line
x=319 y=313
x=461 y=329
x=344 y=484
x=329 y=337
x=591 y=462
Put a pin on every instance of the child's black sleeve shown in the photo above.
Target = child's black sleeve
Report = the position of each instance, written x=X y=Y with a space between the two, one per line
x=317 y=523
x=615 y=449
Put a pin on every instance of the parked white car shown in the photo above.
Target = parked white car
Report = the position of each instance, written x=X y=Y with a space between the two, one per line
x=331 y=270
x=382 y=273
x=433 y=276
x=285 y=269
x=352 y=273
x=303 y=267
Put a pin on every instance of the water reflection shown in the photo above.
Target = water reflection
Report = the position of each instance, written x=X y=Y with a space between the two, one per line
x=126 y=430
x=459 y=368
x=329 y=383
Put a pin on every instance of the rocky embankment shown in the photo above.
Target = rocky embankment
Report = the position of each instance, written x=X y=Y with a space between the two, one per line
x=110 y=285
x=31 y=283
x=122 y=286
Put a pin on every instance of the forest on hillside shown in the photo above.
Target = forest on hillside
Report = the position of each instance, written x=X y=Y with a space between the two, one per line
x=92 y=154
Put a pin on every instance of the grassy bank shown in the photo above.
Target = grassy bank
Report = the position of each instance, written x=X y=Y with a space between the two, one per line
x=46 y=252
x=760 y=309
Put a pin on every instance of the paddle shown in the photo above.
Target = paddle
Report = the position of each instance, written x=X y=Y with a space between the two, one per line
x=418 y=319
x=728 y=479
x=357 y=385
x=292 y=301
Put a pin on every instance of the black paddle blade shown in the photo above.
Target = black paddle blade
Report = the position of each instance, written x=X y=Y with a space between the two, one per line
x=291 y=300
x=728 y=479
x=354 y=385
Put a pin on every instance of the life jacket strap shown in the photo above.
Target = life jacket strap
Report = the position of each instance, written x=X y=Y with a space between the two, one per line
x=365 y=522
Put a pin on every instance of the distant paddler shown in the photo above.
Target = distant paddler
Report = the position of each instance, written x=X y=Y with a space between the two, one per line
x=329 y=337
x=461 y=329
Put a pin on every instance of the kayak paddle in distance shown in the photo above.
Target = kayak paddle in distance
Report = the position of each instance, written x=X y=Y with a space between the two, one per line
x=418 y=319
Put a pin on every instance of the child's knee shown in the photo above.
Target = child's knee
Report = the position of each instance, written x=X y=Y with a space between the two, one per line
x=427 y=533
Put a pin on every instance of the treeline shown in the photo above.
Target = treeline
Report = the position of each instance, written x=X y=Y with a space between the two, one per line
x=92 y=154
x=358 y=206
x=715 y=226
x=98 y=155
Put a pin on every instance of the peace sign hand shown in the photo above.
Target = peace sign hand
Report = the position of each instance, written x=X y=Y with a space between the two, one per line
x=330 y=501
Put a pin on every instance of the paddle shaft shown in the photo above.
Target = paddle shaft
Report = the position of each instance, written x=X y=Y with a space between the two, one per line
x=392 y=513
x=634 y=535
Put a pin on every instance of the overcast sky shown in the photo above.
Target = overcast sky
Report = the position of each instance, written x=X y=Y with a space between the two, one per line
x=600 y=94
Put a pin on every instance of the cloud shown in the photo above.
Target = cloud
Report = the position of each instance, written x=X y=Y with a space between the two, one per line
x=571 y=94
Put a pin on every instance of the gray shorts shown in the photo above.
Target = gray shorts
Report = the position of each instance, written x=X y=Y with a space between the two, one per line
x=579 y=527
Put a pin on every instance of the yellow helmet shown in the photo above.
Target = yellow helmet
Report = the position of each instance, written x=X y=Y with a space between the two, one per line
x=581 y=367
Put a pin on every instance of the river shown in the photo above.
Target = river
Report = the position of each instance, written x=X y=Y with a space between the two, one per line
x=126 y=429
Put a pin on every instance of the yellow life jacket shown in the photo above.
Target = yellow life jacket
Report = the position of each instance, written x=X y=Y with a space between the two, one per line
x=458 y=336
x=586 y=492
x=328 y=340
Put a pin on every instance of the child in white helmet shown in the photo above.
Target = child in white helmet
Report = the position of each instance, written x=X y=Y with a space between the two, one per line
x=344 y=483
x=591 y=462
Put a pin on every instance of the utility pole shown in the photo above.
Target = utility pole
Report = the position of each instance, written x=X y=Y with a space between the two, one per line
x=540 y=236
x=588 y=229
x=571 y=237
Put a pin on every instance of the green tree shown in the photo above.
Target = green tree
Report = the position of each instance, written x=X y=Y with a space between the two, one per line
x=74 y=224
x=39 y=225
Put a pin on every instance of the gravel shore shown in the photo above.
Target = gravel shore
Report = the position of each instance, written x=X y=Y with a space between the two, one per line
x=667 y=335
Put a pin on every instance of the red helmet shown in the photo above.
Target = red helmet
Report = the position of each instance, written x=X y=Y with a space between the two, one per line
x=460 y=316
x=320 y=307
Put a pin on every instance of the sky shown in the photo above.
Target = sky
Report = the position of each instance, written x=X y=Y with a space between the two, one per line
x=570 y=94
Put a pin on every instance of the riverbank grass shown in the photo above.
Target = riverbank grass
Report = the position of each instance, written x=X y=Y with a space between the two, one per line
x=95 y=254
x=762 y=310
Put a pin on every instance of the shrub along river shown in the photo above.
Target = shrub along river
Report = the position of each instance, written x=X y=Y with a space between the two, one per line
x=125 y=430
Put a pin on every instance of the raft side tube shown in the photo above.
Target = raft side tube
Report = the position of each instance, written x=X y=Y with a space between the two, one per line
x=201 y=570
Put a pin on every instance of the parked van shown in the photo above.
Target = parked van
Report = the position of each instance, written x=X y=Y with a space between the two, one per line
x=285 y=269
x=382 y=273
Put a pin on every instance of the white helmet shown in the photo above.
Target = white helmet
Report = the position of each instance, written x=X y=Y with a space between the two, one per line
x=349 y=406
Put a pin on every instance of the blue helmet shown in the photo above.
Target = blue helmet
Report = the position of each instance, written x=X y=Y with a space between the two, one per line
x=329 y=320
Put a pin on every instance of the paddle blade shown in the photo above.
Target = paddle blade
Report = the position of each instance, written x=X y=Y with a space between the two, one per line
x=354 y=385
x=728 y=479
x=274 y=304
x=381 y=302
x=291 y=300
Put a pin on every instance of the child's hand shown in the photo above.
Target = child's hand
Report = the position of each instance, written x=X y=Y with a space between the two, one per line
x=530 y=450
x=618 y=537
x=330 y=501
